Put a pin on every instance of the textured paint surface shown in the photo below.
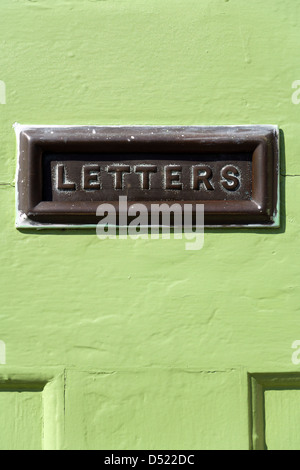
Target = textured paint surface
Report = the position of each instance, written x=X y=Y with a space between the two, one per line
x=156 y=341
x=23 y=408
x=282 y=406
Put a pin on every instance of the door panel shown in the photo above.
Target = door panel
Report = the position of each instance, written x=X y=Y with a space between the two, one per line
x=282 y=419
x=21 y=418
x=167 y=409
x=274 y=411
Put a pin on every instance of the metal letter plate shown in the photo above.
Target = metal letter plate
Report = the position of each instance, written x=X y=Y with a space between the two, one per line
x=65 y=173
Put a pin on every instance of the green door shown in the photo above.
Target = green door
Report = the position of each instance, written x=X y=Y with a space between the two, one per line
x=142 y=344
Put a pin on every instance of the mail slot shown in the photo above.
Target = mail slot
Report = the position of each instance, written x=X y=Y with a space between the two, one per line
x=64 y=173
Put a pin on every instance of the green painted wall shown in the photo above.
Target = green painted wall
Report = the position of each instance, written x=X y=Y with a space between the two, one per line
x=123 y=344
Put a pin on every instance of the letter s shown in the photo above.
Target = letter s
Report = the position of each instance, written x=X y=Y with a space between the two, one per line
x=295 y=95
x=231 y=180
x=295 y=355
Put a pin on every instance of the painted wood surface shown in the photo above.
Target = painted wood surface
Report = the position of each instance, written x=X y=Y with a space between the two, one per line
x=153 y=344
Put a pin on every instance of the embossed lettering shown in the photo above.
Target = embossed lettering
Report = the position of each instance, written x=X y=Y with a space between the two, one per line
x=145 y=171
x=231 y=181
x=201 y=176
x=172 y=177
x=62 y=183
x=118 y=170
x=90 y=177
